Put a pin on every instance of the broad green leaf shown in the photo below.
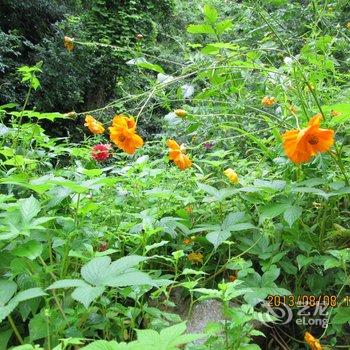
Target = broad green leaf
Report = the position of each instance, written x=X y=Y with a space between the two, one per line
x=6 y=310
x=207 y=188
x=87 y=294
x=96 y=270
x=233 y=218
x=342 y=314
x=310 y=190
x=151 y=66
x=292 y=214
x=339 y=112
x=37 y=327
x=130 y=278
x=156 y=245
x=30 y=250
x=242 y=226
x=200 y=29
x=106 y=345
x=28 y=294
x=303 y=260
x=29 y=207
x=217 y=237
x=275 y=185
x=7 y=290
x=271 y=211
x=68 y=283
x=125 y=263
x=4 y=338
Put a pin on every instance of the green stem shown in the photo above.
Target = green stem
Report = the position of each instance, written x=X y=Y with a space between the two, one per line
x=14 y=145
x=15 y=329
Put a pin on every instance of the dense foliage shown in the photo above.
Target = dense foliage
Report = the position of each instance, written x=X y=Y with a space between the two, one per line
x=158 y=155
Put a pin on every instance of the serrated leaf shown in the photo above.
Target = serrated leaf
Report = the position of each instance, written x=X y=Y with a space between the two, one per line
x=156 y=245
x=292 y=214
x=106 y=345
x=28 y=294
x=29 y=207
x=200 y=29
x=87 y=294
x=223 y=26
x=218 y=237
x=125 y=263
x=271 y=211
x=94 y=272
x=130 y=278
x=210 y=13
x=67 y=283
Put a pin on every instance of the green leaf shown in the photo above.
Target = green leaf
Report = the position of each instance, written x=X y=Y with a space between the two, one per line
x=210 y=13
x=28 y=294
x=30 y=250
x=106 y=345
x=4 y=338
x=156 y=245
x=29 y=207
x=130 y=278
x=223 y=26
x=310 y=190
x=68 y=283
x=242 y=226
x=193 y=272
x=303 y=260
x=342 y=108
x=96 y=270
x=270 y=276
x=151 y=66
x=342 y=315
x=271 y=211
x=7 y=290
x=200 y=29
x=37 y=327
x=292 y=214
x=233 y=218
x=218 y=237
x=126 y=262
x=87 y=294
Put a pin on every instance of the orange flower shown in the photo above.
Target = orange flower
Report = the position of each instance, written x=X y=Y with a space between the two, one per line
x=68 y=43
x=312 y=341
x=189 y=209
x=188 y=241
x=94 y=126
x=232 y=278
x=268 y=101
x=301 y=145
x=123 y=134
x=195 y=258
x=177 y=155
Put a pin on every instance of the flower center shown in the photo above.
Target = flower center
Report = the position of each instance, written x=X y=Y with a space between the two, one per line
x=313 y=140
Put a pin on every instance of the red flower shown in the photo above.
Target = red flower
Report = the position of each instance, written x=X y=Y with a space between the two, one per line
x=100 y=152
